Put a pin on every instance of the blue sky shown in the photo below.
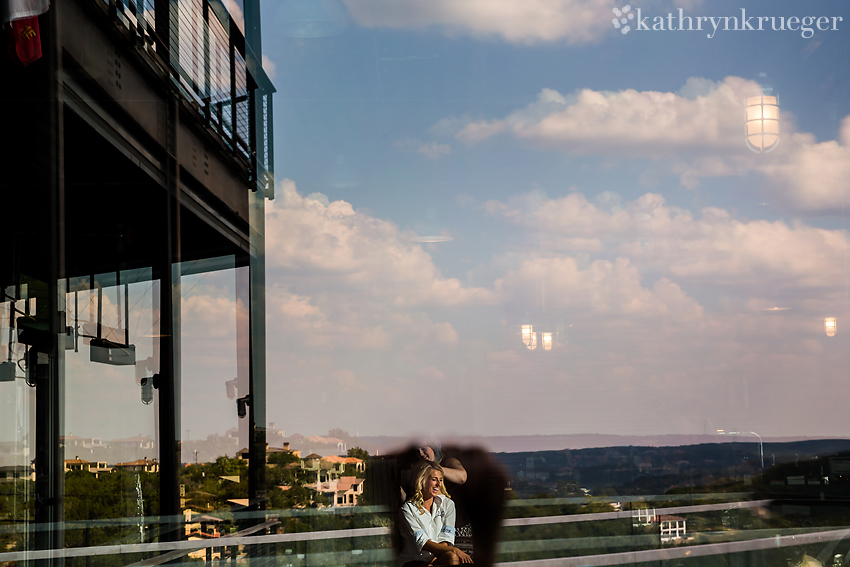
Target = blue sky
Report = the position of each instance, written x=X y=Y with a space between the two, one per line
x=597 y=176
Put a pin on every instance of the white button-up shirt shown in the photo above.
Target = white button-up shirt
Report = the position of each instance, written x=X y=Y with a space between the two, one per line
x=437 y=525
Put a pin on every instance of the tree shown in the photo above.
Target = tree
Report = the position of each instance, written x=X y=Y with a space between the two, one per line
x=359 y=453
x=283 y=459
x=225 y=466
x=351 y=470
x=339 y=434
x=118 y=494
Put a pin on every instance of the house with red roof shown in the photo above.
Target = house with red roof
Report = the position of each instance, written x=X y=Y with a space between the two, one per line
x=342 y=492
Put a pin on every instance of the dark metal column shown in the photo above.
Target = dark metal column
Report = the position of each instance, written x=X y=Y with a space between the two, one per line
x=46 y=361
x=168 y=273
x=243 y=354
x=257 y=471
x=257 y=279
x=169 y=388
x=249 y=437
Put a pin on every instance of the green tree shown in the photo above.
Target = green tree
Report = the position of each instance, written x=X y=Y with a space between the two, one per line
x=15 y=508
x=225 y=466
x=114 y=496
x=283 y=459
x=359 y=453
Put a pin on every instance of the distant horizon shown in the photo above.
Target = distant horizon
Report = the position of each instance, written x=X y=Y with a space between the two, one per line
x=450 y=439
x=571 y=441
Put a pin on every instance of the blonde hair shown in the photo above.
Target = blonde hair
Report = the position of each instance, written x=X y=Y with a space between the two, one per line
x=417 y=498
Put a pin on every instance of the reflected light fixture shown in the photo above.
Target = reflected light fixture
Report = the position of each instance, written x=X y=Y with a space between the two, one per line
x=529 y=337
x=544 y=329
x=762 y=127
x=830 y=325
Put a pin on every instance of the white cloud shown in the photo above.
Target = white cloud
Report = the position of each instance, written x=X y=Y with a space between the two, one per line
x=431 y=150
x=331 y=241
x=269 y=67
x=481 y=130
x=355 y=308
x=713 y=248
x=527 y=22
x=344 y=319
x=449 y=126
x=696 y=133
x=212 y=316
x=236 y=13
x=434 y=150
x=703 y=116
x=355 y=285
x=605 y=288
x=811 y=176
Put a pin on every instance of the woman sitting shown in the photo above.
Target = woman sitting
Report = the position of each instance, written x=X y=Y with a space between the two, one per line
x=428 y=523
x=414 y=459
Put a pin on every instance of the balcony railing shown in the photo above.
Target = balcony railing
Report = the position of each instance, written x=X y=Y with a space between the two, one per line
x=362 y=535
x=213 y=68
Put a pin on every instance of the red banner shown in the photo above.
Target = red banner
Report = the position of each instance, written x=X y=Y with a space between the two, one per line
x=24 y=40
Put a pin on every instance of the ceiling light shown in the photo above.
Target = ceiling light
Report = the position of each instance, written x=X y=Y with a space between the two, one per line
x=762 y=128
x=830 y=325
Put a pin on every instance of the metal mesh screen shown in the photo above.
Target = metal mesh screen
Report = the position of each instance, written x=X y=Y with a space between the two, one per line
x=210 y=71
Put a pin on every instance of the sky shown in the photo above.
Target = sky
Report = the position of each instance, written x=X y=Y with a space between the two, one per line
x=592 y=183
x=586 y=177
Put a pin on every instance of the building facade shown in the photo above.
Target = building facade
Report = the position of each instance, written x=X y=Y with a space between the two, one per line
x=141 y=158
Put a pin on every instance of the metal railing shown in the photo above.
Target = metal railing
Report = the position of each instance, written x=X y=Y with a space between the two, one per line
x=214 y=69
x=364 y=535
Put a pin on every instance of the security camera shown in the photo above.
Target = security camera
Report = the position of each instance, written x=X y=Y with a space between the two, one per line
x=148 y=384
x=242 y=405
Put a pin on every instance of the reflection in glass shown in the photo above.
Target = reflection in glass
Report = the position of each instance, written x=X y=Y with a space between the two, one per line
x=528 y=337
x=762 y=123
x=830 y=325
x=110 y=440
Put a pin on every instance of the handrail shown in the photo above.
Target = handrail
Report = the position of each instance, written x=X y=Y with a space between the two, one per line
x=775 y=537
x=797 y=537
x=640 y=499
x=539 y=520
x=190 y=546
x=687 y=551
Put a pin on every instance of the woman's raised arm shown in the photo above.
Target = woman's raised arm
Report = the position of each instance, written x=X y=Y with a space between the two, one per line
x=454 y=471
